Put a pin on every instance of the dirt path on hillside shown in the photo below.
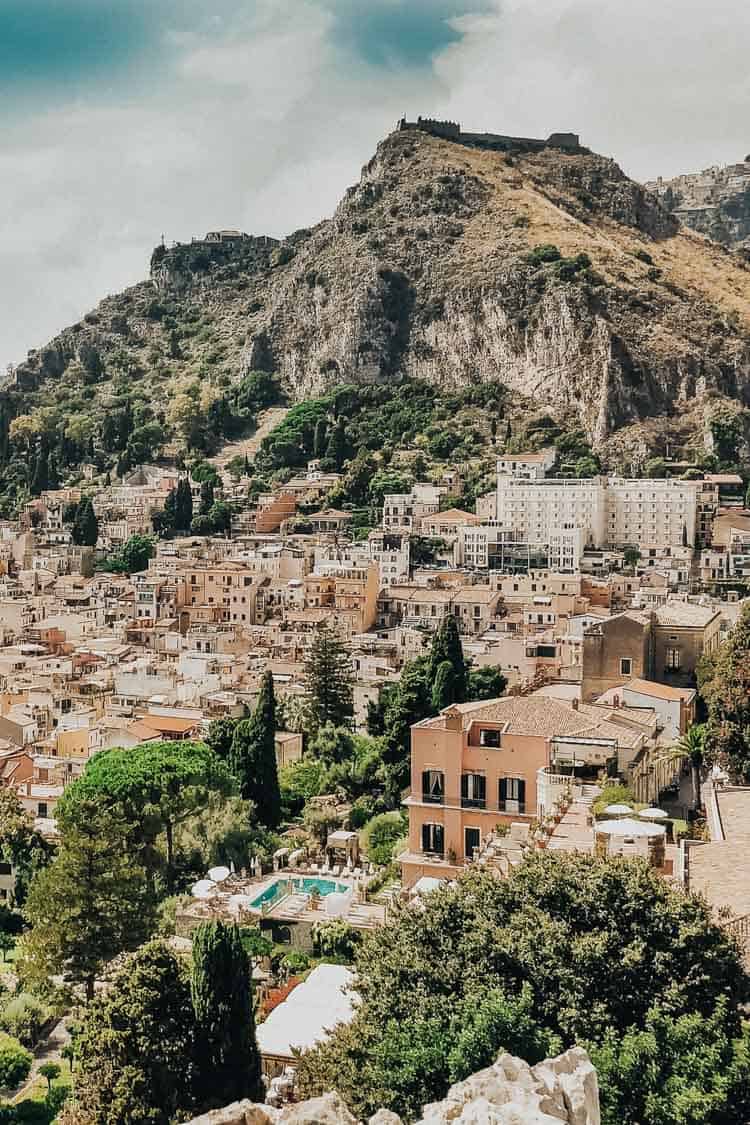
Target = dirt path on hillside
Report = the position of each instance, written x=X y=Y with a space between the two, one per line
x=249 y=446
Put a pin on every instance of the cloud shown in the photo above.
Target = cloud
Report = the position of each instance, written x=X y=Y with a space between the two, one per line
x=258 y=113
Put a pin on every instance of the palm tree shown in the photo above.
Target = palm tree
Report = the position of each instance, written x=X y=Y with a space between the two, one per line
x=690 y=747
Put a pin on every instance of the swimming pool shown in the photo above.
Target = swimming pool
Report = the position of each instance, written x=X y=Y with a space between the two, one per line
x=303 y=885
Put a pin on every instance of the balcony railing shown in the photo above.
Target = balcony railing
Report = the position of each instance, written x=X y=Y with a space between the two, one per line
x=507 y=806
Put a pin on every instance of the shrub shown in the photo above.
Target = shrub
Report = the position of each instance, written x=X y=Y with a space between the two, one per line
x=23 y=1017
x=547 y=252
x=380 y=834
x=336 y=939
x=15 y=1061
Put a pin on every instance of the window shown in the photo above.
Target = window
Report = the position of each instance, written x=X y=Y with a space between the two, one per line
x=41 y=808
x=473 y=790
x=433 y=839
x=490 y=738
x=674 y=659
x=512 y=794
x=626 y=666
x=433 y=787
x=472 y=841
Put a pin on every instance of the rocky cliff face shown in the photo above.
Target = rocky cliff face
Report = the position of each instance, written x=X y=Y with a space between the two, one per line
x=715 y=202
x=429 y=268
x=557 y=1091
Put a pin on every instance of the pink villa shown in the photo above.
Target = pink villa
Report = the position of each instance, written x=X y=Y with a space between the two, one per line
x=477 y=765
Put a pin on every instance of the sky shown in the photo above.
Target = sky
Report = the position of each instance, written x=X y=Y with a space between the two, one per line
x=123 y=120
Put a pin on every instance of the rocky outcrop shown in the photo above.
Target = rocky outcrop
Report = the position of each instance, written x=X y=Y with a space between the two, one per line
x=430 y=269
x=510 y=1092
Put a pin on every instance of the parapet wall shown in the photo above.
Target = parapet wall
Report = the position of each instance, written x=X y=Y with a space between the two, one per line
x=451 y=131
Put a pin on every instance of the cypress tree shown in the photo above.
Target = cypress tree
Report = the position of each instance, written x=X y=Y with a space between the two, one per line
x=329 y=677
x=183 y=505
x=85 y=530
x=446 y=645
x=252 y=756
x=320 y=436
x=39 y=480
x=444 y=687
x=227 y=1057
x=207 y=497
x=337 y=449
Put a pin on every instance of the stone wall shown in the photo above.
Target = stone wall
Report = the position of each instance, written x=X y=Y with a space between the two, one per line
x=559 y=1091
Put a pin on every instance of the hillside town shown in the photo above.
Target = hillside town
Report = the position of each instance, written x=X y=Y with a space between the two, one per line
x=588 y=604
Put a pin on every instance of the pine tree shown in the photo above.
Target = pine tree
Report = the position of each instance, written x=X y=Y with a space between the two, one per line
x=183 y=505
x=252 y=757
x=246 y=466
x=446 y=645
x=444 y=686
x=329 y=677
x=85 y=530
x=320 y=437
x=228 y=1060
x=90 y=904
x=53 y=476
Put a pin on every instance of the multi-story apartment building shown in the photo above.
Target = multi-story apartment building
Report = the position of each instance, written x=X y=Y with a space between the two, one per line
x=538 y=509
x=527 y=466
x=404 y=511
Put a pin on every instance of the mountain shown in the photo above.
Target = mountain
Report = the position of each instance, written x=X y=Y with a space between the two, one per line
x=714 y=202
x=454 y=261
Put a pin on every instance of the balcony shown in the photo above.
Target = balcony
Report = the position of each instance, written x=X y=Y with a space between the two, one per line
x=507 y=807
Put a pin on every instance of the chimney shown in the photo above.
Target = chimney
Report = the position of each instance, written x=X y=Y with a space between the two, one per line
x=616 y=701
x=575 y=704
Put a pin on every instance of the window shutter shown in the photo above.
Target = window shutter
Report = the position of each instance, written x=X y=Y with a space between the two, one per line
x=521 y=792
x=426 y=838
x=503 y=789
x=464 y=786
x=426 y=782
x=439 y=838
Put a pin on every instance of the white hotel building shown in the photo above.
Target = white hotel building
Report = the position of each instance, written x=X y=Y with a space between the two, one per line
x=605 y=511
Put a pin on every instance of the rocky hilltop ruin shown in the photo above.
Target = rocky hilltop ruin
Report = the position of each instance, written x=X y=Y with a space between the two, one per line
x=715 y=202
x=559 y=1091
x=538 y=263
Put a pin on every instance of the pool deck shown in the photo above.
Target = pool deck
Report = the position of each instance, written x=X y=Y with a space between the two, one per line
x=293 y=907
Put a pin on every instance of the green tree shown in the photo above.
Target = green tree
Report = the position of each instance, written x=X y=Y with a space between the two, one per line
x=724 y=683
x=485 y=683
x=7 y=943
x=380 y=834
x=338 y=447
x=446 y=645
x=253 y=756
x=15 y=1061
x=90 y=904
x=320 y=439
x=691 y=748
x=570 y=948
x=136 y=552
x=207 y=497
x=408 y=704
x=183 y=505
x=669 y=1071
x=156 y=785
x=220 y=735
x=135 y=1048
x=444 y=686
x=85 y=529
x=50 y=1071
x=631 y=557
x=227 y=1053
x=329 y=678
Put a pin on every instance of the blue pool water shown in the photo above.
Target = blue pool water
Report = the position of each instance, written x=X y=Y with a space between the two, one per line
x=282 y=887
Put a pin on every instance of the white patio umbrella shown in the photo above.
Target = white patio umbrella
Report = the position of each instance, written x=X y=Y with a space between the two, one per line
x=653 y=814
x=618 y=810
x=219 y=874
x=204 y=888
